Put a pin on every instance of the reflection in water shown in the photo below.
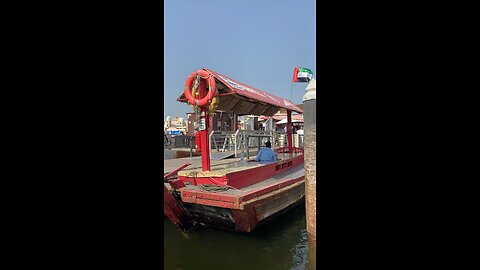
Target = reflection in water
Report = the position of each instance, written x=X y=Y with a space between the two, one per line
x=280 y=244
x=300 y=259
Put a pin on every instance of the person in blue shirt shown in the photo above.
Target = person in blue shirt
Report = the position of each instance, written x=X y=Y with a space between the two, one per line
x=266 y=153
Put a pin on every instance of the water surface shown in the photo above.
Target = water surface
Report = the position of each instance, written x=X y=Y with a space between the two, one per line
x=280 y=244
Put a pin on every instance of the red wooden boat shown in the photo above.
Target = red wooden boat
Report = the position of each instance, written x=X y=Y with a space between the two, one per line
x=236 y=194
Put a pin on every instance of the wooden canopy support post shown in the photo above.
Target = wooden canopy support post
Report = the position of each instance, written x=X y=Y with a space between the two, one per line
x=235 y=121
x=289 y=131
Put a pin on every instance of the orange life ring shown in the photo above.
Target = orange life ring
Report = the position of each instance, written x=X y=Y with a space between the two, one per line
x=212 y=88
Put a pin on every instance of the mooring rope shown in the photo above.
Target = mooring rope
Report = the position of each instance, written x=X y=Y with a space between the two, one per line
x=213 y=188
x=217 y=187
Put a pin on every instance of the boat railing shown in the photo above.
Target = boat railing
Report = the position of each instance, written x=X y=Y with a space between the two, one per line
x=297 y=140
x=286 y=150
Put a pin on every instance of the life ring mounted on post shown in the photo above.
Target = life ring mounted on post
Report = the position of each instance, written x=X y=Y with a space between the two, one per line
x=193 y=82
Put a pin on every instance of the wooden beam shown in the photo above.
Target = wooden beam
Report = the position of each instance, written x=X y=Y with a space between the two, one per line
x=232 y=104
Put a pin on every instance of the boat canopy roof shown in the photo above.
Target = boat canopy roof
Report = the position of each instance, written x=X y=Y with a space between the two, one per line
x=243 y=99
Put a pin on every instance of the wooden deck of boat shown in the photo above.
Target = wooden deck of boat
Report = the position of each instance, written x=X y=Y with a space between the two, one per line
x=171 y=164
x=220 y=158
x=185 y=152
x=221 y=169
x=214 y=154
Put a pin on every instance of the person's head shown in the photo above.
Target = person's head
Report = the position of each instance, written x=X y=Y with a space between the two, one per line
x=268 y=144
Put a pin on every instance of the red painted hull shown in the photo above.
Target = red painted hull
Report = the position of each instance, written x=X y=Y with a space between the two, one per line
x=273 y=189
x=253 y=214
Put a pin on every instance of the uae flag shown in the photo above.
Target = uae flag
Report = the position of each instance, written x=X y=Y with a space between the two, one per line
x=301 y=74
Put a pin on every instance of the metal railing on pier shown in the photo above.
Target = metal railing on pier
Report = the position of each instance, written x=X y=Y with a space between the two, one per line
x=240 y=141
x=243 y=140
x=179 y=141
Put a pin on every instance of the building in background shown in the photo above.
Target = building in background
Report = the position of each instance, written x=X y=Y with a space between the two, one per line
x=175 y=126
x=250 y=122
x=219 y=120
x=280 y=119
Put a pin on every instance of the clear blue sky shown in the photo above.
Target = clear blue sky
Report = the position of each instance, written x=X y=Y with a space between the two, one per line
x=255 y=42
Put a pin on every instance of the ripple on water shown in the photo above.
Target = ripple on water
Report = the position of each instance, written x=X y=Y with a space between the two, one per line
x=300 y=253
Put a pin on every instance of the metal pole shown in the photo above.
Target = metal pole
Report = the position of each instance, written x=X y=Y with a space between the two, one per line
x=210 y=143
x=190 y=144
x=235 y=122
x=310 y=130
x=236 y=142
x=259 y=143
x=248 y=148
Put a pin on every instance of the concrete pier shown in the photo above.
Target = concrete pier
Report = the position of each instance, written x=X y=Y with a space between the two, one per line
x=310 y=150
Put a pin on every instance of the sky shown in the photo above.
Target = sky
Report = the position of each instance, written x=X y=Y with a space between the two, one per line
x=258 y=43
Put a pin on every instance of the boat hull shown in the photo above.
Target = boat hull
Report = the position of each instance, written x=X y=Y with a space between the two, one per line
x=254 y=213
x=248 y=195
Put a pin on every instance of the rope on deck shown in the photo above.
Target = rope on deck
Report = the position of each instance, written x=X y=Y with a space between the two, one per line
x=219 y=187
x=213 y=188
